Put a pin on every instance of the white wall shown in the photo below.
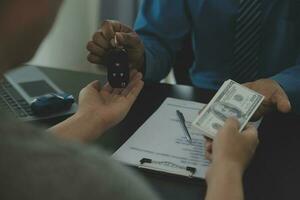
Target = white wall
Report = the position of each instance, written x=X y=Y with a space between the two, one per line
x=65 y=47
x=122 y=10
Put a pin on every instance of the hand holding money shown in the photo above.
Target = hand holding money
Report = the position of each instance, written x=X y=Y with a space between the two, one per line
x=275 y=97
x=232 y=100
x=231 y=149
x=111 y=34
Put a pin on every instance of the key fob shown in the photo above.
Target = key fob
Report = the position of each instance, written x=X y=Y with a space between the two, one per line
x=117 y=63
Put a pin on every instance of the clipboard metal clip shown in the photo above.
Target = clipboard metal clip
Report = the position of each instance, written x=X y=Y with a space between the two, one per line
x=167 y=167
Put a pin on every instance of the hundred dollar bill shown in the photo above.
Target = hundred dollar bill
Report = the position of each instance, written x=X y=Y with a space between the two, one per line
x=232 y=100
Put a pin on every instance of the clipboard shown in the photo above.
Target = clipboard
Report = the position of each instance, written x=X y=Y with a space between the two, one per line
x=160 y=144
x=174 y=169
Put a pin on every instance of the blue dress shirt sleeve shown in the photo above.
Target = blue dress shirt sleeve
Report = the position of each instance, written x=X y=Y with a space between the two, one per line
x=162 y=26
x=289 y=80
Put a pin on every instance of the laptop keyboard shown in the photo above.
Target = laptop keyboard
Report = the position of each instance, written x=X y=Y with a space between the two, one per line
x=11 y=101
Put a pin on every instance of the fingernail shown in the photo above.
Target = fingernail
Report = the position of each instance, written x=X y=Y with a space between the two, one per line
x=289 y=106
x=140 y=75
x=119 y=35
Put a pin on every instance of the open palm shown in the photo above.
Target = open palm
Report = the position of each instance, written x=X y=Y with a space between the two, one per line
x=108 y=105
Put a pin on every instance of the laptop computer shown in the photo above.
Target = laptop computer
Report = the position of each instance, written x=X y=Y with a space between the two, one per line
x=20 y=87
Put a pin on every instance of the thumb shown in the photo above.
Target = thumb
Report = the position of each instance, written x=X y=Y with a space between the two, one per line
x=281 y=100
x=95 y=85
x=128 y=39
x=231 y=124
x=251 y=135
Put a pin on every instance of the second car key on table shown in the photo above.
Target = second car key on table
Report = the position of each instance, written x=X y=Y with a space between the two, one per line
x=117 y=63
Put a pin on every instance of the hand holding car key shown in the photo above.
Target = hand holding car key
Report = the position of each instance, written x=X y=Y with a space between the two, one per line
x=111 y=36
x=117 y=63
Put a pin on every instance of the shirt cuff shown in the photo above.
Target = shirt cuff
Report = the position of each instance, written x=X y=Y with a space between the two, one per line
x=291 y=86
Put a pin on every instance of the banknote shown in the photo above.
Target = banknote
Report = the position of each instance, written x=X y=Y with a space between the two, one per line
x=232 y=100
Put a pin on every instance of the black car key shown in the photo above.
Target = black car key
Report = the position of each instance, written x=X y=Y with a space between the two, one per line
x=117 y=63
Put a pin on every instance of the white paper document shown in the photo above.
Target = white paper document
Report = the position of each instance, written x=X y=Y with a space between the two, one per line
x=161 y=140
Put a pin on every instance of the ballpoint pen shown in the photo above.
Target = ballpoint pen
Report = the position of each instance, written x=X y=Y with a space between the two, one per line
x=182 y=122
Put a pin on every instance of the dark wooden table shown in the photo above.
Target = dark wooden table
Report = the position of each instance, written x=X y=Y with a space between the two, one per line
x=273 y=174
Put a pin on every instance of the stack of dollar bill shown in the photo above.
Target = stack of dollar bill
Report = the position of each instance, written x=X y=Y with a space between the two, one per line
x=232 y=100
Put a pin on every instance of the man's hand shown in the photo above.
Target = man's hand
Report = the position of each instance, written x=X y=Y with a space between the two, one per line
x=275 y=97
x=99 y=109
x=103 y=41
x=231 y=148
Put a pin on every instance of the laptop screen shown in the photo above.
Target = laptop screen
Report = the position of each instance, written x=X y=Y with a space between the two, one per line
x=36 y=88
